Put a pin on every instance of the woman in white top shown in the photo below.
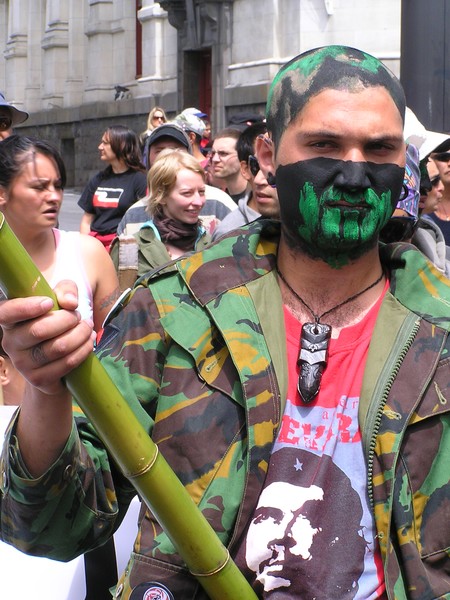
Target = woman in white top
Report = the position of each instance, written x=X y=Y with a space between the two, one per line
x=32 y=179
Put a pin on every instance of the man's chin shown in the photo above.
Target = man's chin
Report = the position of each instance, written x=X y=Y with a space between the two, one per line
x=335 y=254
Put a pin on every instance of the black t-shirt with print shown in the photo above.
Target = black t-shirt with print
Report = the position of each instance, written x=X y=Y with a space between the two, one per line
x=108 y=195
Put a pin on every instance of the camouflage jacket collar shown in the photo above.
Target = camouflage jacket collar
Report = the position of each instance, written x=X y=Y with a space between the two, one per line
x=414 y=281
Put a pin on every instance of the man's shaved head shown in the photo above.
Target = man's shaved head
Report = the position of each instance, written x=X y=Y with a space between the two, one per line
x=330 y=67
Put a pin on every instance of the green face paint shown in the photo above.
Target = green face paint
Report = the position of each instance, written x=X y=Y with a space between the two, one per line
x=330 y=67
x=339 y=217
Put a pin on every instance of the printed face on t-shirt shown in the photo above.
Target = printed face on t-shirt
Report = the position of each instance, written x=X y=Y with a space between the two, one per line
x=278 y=528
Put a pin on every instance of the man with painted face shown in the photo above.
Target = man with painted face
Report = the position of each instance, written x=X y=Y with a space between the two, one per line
x=299 y=355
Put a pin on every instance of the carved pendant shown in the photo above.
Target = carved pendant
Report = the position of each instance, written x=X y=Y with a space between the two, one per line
x=312 y=359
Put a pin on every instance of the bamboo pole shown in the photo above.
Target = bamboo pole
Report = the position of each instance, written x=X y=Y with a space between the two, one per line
x=131 y=447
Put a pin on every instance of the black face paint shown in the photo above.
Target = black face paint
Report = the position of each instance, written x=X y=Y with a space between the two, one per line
x=329 y=67
x=338 y=217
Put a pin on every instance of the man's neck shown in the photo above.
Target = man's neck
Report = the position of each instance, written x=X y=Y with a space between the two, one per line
x=443 y=209
x=235 y=184
x=197 y=153
x=323 y=287
x=446 y=196
x=251 y=203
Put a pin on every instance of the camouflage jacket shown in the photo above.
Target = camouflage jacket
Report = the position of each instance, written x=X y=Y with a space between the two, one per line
x=211 y=394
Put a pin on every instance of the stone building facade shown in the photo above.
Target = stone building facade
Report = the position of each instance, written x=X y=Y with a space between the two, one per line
x=63 y=59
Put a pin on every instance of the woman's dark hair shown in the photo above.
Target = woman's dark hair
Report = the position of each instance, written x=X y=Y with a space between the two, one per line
x=18 y=150
x=125 y=145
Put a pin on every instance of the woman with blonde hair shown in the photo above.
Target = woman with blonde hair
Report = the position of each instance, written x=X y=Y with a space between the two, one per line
x=157 y=116
x=176 y=195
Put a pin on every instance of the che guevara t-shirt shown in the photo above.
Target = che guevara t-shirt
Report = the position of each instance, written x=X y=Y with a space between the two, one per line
x=312 y=535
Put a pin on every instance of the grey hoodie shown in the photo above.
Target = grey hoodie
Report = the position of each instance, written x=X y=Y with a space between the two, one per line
x=428 y=238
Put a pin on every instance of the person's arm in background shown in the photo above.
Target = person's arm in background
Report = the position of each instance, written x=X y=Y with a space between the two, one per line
x=85 y=223
x=85 y=202
x=102 y=278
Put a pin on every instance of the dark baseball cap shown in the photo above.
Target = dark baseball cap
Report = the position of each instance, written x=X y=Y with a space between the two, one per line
x=169 y=130
x=17 y=116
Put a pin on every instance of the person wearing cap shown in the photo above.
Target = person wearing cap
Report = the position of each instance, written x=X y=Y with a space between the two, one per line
x=431 y=188
x=172 y=136
x=441 y=155
x=165 y=136
x=199 y=130
x=428 y=236
x=9 y=116
x=243 y=120
x=194 y=127
x=191 y=110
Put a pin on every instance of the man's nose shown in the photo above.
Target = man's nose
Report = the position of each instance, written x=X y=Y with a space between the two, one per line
x=352 y=176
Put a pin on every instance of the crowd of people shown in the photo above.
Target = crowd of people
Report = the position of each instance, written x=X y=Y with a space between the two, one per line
x=282 y=335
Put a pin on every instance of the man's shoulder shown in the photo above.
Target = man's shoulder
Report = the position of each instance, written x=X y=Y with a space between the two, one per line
x=237 y=218
x=231 y=251
x=417 y=283
x=232 y=221
x=215 y=193
x=134 y=218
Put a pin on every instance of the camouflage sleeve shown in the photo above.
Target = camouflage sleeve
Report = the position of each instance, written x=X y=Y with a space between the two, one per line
x=80 y=501
x=72 y=508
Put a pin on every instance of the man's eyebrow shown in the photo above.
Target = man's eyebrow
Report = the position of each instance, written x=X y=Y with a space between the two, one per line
x=320 y=133
x=332 y=135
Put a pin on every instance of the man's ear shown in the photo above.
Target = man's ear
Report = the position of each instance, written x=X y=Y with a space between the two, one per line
x=265 y=153
x=4 y=371
x=2 y=197
x=245 y=171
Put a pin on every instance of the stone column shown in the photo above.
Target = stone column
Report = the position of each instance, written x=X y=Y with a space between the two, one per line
x=34 y=79
x=16 y=52
x=55 y=46
x=74 y=86
x=159 y=56
x=99 y=51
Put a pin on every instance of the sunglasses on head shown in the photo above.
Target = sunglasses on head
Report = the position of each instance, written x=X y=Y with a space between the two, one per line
x=398 y=229
x=441 y=156
x=5 y=123
x=253 y=165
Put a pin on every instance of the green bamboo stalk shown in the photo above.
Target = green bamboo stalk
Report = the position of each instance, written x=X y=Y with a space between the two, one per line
x=131 y=447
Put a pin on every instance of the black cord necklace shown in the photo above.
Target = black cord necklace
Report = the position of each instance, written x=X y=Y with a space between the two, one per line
x=314 y=340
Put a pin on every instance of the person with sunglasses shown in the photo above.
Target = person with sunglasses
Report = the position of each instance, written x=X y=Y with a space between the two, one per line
x=430 y=193
x=156 y=117
x=441 y=216
x=261 y=199
x=9 y=116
